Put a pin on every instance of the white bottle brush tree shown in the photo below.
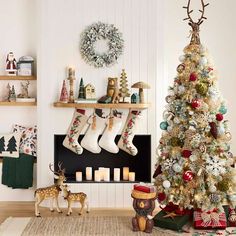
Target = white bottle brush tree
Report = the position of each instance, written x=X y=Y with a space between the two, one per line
x=194 y=167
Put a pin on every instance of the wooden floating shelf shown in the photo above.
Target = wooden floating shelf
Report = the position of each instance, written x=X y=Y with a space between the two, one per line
x=102 y=105
x=18 y=103
x=19 y=77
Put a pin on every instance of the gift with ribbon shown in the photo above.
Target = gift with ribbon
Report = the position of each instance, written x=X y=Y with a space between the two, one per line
x=209 y=220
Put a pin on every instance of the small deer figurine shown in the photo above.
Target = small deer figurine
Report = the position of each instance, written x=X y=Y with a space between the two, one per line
x=75 y=197
x=51 y=192
x=25 y=92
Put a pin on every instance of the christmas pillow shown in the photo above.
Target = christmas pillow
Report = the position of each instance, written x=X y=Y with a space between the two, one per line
x=28 y=142
x=9 y=145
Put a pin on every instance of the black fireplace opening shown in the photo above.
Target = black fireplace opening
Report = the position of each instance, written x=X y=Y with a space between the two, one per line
x=140 y=164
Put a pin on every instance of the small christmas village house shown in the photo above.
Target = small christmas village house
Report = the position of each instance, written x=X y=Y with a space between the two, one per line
x=90 y=92
x=25 y=66
x=135 y=98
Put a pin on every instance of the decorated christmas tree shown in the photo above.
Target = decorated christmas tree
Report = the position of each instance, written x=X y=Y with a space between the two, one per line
x=11 y=146
x=124 y=91
x=81 y=89
x=2 y=144
x=64 y=93
x=195 y=166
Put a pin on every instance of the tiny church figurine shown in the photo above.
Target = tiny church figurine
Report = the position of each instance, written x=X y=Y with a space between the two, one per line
x=11 y=64
x=90 y=92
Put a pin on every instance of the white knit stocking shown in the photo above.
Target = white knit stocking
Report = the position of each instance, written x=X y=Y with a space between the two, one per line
x=107 y=140
x=75 y=128
x=96 y=127
x=125 y=143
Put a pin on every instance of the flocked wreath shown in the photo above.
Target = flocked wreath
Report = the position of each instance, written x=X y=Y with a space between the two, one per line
x=100 y=31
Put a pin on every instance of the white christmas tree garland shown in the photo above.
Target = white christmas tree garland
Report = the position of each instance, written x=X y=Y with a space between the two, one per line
x=99 y=31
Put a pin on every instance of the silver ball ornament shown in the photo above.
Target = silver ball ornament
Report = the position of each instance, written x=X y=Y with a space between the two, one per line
x=177 y=168
x=212 y=189
x=203 y=61
x=182 y=58
x=166 y=184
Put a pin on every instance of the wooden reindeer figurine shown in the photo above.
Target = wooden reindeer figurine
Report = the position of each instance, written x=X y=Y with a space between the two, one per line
x=51 y=192
x=75 y=197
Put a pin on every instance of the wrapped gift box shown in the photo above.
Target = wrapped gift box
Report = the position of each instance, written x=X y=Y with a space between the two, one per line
x=176 y=223
x=145 y=188
x=209 y=220
x=227 y=211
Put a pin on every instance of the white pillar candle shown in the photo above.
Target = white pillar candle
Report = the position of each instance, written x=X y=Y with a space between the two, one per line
x=116 y=174
x=101 y=169
x=125 y=173
x=89 y=175
x=131 y=176
x=106 y=174
x=97 y=175
x=78 y=176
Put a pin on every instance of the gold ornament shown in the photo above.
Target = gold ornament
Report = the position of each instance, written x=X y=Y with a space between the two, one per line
x=202 y=88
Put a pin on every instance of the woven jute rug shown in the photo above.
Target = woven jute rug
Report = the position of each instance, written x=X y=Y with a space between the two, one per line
x=82 y=226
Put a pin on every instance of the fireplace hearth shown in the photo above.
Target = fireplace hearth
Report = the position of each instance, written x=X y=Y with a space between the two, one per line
x=140 y=164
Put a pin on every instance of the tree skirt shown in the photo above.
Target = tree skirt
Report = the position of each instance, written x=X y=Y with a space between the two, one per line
x=61 y=226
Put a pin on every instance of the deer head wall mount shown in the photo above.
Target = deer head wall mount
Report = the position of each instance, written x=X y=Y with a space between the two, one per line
x=195 y=39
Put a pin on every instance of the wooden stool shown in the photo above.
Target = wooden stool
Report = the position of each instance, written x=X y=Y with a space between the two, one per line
x=144 y=204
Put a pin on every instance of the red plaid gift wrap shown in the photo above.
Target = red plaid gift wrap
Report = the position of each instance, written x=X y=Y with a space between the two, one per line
x=209 y=220
x=145 y=188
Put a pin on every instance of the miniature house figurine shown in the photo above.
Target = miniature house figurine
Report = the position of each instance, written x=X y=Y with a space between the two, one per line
x=90 y=92
x=11 y=64
x=135 y=98
x=141 y=86
x=25 y=66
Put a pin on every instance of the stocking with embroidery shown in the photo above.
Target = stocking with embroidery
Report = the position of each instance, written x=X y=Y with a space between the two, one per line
x=125 y=143
x=97 y=124
x=107 y=140
x=76 y=126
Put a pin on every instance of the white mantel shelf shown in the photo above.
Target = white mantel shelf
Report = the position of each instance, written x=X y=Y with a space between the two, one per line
x=102 y=105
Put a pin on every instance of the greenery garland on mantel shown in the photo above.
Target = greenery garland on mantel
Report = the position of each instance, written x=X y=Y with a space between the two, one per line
x=101 y=31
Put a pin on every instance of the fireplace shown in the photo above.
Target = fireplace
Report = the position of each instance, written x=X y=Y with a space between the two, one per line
x=140 y=164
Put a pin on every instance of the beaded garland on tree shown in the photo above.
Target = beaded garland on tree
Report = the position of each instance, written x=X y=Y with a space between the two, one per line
x=194 y=167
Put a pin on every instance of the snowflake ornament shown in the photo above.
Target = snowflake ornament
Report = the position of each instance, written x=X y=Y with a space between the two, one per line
x=215 y=165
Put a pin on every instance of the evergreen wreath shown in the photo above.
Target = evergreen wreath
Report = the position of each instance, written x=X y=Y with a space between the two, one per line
x=100 y=31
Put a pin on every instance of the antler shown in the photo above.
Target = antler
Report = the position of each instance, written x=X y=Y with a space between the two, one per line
x=59 y=166
x=201 y=19
x=195 y=25
x=53 y=171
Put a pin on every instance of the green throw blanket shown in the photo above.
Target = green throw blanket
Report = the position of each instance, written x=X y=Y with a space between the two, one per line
x=18 y=172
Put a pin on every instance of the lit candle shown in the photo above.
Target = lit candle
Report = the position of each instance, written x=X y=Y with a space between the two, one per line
x=106 y=174
x=116 y=174
x=131 y=176
x=78 y=176
x=97 y=176
x=125 y=173
x=101 y=169
x=89 y=175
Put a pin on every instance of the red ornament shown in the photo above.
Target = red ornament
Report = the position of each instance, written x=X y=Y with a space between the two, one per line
x=213 y=129
x=219 y=117
x=195 y=103
x=186 y=153
x=193 y=77
x=161 y=197
x=188 y=175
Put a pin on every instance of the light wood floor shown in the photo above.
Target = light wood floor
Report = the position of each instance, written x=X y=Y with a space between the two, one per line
x=26 y=209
